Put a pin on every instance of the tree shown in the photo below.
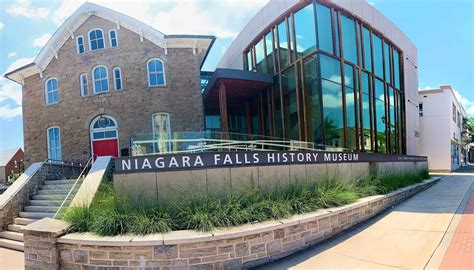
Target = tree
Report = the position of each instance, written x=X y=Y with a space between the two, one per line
x=467 y=134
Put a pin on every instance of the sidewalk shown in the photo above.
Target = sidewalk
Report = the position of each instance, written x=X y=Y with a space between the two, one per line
x=11 y=259
x=407 y=236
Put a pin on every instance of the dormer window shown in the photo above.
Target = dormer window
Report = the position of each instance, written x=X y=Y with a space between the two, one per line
x=96 y=39
x=113 y=38
x=80 y=44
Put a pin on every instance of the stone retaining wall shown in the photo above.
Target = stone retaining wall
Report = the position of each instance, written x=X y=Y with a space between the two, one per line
x=235 y=248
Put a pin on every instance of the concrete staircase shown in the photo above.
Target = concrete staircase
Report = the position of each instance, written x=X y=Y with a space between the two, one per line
x=49 y=196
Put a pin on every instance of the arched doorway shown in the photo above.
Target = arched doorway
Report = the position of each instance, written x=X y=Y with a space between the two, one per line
x=104 y=136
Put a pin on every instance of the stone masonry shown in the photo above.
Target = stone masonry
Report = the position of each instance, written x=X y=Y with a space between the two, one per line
x=236 y=248
x=132 y=107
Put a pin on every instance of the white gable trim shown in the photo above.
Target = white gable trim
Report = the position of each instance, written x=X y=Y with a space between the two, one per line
x=67 y=29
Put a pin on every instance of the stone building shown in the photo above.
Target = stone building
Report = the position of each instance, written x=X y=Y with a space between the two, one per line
x=104 y=76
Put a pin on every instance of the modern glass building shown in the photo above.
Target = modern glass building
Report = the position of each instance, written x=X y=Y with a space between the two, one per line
x=323 y=74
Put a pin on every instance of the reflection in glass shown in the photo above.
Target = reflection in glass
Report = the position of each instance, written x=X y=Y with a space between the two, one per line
x=283 y=45
x=350 y=106
x=333 y=115
x=349 y=46
x=380 y=118
x=330 y=68
x=305 y=31
x=323 y=15
x=367 y=50
x=260 y=56
x=290 y=104
x=269 y=47
x=386 y=52
x=312 y=101
x=393 y=140
x=396 y=68
x=378 y=62
x=249 y=60
x=366 y=124
x=277 y=108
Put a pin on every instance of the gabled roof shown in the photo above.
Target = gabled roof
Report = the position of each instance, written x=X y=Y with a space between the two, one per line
x=6 y=155
x=66 y=30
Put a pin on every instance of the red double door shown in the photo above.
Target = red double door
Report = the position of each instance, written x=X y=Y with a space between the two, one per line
x=105 y=148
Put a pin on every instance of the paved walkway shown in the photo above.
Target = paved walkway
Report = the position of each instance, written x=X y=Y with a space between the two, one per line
x=416 y=234
x=11 y=259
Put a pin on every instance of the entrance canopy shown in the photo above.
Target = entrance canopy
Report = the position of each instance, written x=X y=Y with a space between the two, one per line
x=233 y=86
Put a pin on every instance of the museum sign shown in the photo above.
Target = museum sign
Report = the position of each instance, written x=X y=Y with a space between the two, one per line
x=173 y=162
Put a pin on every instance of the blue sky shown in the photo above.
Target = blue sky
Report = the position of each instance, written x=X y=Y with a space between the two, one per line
x=442 y=31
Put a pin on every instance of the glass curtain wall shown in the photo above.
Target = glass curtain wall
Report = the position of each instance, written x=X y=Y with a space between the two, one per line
x=337 y=82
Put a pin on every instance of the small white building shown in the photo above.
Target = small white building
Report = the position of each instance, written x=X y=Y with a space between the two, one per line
x=441 y=116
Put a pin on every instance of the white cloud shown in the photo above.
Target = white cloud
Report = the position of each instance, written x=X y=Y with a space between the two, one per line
x=1 y=25
x=12 y=54
x=8 y=112
x=466 y=103
x=10 y=91
x=221 y=18
x=25 y=9
x=19 y=63
x=41 y=40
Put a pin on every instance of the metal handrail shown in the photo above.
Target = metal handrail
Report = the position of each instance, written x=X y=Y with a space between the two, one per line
x=258 y=145
x=72 y=188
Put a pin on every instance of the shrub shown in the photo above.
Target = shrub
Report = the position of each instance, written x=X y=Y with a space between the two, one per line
x=107 y=215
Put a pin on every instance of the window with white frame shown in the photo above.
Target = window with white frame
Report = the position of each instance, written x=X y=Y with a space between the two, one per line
x=96 y=39
x=54 y=143
x=117 y=78
x=83 y=81
x=100 y=79
x=113 y=38
x=80 y=44
x=156 y=72
x=51 y=91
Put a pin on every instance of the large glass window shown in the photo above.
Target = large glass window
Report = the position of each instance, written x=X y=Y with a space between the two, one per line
x=396 y=68
x=277 y=108
x=260 y=57
x=349 y=81
x=290 y=103
x=367 y=49
x=380 y=118
x=312 y=101
x=156 y=72
x=51 y=91
x=378 y=56
x=392 y=125
x=269 y=47
x=96 y=39
x=283 y=45
x=386 y=53
x=305 y=31
x=365 y=109
x=54 y=143
x=332 y=101
x=349 y=45
x=323 y=15
x=100 y=79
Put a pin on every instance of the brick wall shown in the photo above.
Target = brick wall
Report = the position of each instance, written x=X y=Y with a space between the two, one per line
x=132 y=107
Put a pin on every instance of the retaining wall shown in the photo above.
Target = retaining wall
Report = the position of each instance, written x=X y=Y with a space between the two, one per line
x=164 y=186
x=235 y=248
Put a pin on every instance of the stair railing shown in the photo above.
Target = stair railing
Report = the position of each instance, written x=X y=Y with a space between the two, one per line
x=88 y=164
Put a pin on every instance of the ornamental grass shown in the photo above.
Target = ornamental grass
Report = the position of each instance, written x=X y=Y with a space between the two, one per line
x=109 y=215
